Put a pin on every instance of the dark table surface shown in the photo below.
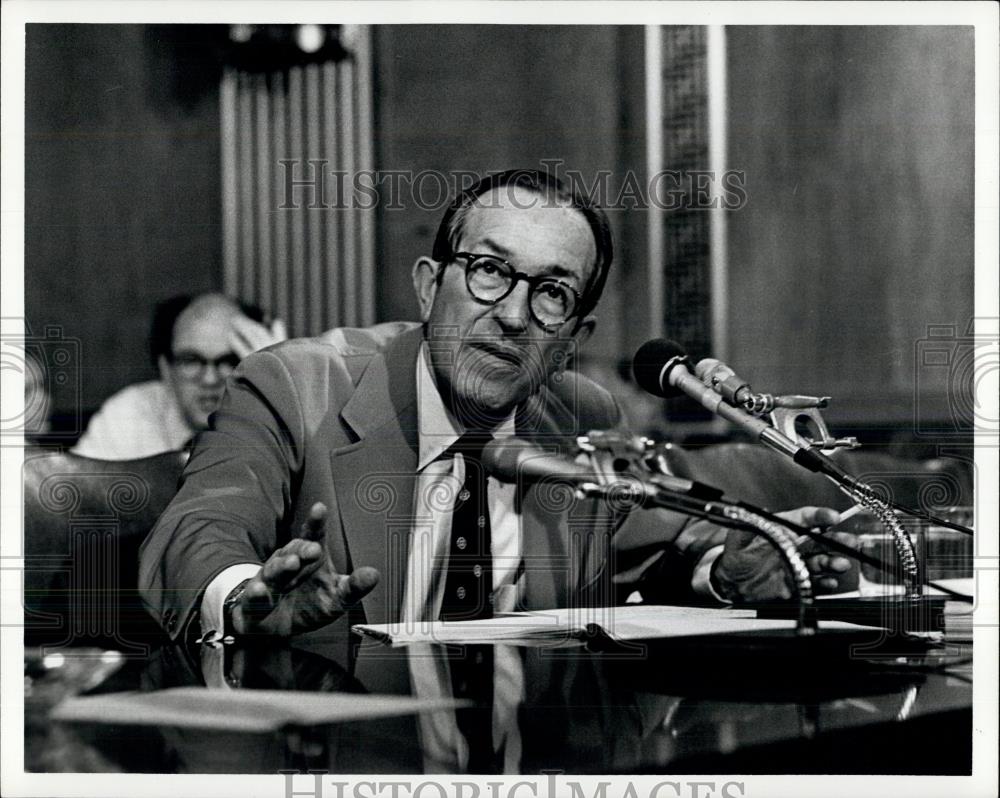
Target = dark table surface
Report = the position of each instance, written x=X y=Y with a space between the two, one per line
x=750 y=706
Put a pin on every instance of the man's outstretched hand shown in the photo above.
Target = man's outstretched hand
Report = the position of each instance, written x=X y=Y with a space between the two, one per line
x=750 y=569
x=298 y=589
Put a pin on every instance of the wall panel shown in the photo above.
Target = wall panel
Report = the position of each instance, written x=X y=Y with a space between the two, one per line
x=858 y=235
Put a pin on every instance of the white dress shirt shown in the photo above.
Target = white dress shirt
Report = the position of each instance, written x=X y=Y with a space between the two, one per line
x=439 y=477
x=139 y=421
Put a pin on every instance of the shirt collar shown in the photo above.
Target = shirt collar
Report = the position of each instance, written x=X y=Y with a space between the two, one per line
x=437 y=427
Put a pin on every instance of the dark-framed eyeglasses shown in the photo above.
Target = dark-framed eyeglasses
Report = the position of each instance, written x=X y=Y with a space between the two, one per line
x=490 y=279
x=192 y=366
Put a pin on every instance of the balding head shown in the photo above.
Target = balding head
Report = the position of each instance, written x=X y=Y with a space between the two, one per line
x=207 y=313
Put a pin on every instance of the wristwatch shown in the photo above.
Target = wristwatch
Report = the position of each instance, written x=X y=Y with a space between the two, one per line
x=229 y=606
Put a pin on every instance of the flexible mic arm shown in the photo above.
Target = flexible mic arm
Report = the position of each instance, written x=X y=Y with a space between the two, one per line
x=616 y=457
x=676 y=374
x=739 y=516
x=654 y=460
x=785 y=412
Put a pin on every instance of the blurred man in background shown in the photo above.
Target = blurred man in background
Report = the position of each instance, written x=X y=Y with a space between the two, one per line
x=195 y=342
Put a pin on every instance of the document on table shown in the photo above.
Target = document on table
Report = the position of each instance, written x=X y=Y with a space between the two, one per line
x=629 y=622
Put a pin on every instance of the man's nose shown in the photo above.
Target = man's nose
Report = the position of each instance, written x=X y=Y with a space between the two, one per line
x=211 y=374
x=513 y=312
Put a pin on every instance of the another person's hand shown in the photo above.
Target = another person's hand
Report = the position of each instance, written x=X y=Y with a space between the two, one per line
x=247 y=335
x=750 y=569
x=298 y=589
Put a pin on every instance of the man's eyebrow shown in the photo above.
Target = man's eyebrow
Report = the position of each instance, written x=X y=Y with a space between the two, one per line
x=554 y=270
x=502 y=251
x=559 y=271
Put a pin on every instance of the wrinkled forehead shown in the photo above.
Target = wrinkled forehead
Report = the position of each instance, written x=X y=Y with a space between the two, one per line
x=530 y=228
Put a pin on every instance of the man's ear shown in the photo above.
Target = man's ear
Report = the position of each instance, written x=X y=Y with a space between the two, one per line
x=425 y=283
x=584 y=330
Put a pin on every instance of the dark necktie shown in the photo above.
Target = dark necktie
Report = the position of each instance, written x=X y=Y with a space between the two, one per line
x=468 y=596
x=469 y=578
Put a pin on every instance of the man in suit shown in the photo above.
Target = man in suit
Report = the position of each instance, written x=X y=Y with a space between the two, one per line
x=331 y=482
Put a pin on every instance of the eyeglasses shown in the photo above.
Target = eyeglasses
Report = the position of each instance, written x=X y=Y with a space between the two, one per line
x=490 y=279
x=191 y=365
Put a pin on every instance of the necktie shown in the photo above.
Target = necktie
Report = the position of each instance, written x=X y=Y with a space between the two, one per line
x=468 y=596
x=469 y=578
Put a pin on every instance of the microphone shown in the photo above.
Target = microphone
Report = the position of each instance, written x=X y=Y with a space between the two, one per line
x=737 y=391
x=515 y=459
x=653 y=363
x=716 y=374
x=661 y=367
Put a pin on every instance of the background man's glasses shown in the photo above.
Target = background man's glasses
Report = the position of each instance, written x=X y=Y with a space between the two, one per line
x=192 y=366
x=489 y=279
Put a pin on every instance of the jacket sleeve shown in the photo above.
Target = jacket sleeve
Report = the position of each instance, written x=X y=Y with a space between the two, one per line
x=235 y=494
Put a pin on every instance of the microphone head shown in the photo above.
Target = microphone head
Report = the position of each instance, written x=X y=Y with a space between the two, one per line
x=520 y=461
x=650 y=365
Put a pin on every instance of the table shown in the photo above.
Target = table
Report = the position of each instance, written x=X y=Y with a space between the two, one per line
x=571 y=708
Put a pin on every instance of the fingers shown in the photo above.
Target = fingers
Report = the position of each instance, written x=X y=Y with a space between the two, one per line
x=740 y=538
x=313 y=527
x=290 y=564
x=828 y=562
x=809 y=546
x=832 y=573
x=821 y=517
x=359 y=584
x=279 y=332
x=284 y=570
x=247 y=335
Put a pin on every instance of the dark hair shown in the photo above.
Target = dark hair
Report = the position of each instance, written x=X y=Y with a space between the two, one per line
x=165 y=315
x=549 y=186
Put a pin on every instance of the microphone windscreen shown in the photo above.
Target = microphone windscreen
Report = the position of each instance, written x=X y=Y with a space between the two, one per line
x=516 y=460
x=650 y=360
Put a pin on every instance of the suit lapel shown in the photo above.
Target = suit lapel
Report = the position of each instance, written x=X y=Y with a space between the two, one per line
x=374 y=477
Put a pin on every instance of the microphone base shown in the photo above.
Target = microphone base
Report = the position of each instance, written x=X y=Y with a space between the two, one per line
x=899 y=614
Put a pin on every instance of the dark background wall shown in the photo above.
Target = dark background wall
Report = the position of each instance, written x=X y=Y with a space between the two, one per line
x=857 y=145
x=121 y=187
x=858 y=233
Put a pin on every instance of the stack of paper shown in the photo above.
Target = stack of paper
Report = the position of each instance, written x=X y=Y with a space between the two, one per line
x=620 y=623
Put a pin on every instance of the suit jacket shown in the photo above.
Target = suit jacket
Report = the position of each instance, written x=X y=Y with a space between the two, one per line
x=334 y=420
